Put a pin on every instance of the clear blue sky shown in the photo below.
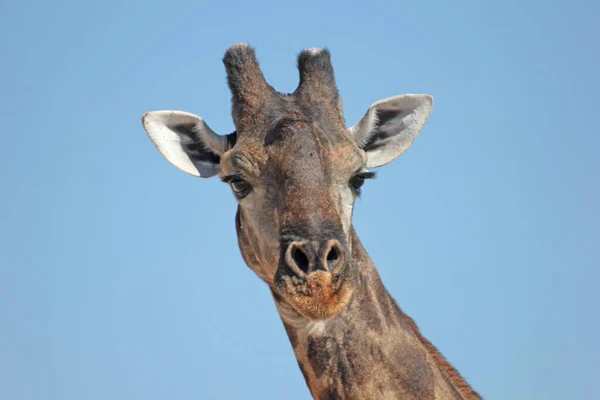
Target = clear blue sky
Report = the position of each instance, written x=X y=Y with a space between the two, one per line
x=120 y=276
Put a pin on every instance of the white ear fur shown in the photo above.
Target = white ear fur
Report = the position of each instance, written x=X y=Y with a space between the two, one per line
x=390 y=126
x=186 y=141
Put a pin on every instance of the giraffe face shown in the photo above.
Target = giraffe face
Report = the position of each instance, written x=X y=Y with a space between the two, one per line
x=296 y=188
x=295 y=169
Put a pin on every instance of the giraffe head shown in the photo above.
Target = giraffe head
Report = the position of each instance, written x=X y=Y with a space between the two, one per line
x=295 y=170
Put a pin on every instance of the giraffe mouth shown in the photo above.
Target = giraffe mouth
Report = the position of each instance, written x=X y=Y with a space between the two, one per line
x=320 y=295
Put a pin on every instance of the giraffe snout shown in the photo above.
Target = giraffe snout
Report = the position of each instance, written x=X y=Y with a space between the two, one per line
x=314 y=278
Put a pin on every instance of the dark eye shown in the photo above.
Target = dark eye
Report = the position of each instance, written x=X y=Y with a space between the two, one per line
x=359 y=179
x=240 y=187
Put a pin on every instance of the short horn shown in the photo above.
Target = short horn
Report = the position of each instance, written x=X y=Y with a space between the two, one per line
x=246 y=81
x=317 y=78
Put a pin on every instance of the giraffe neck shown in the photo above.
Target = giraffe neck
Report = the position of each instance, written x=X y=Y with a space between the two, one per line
x=371 y=350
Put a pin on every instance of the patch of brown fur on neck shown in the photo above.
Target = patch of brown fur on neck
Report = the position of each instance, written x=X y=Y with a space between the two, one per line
x=445 y=367
x=447 y=370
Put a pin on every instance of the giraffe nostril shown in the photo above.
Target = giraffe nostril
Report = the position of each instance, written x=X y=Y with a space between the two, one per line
x=332 y=258
x=300 y=258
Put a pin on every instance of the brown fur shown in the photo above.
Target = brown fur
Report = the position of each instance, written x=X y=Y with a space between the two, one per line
x=447 y=369
x=320 y=298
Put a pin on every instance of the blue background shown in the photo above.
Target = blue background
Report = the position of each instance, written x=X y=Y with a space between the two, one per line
x=120 y=276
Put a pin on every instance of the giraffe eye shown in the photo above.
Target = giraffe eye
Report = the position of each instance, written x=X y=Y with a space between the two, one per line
x=240 y=187
x=359 y=179
x=357 y=182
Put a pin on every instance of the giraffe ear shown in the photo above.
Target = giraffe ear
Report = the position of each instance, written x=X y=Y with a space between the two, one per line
x=187 y=142
x=390 y=126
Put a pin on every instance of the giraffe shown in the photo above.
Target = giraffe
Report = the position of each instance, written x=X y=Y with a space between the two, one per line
x=296 y=169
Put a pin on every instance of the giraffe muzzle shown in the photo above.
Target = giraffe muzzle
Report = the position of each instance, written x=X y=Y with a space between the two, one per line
x=313 y=277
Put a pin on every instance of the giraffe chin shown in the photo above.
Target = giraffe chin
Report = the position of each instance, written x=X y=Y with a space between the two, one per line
x=317 y=296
